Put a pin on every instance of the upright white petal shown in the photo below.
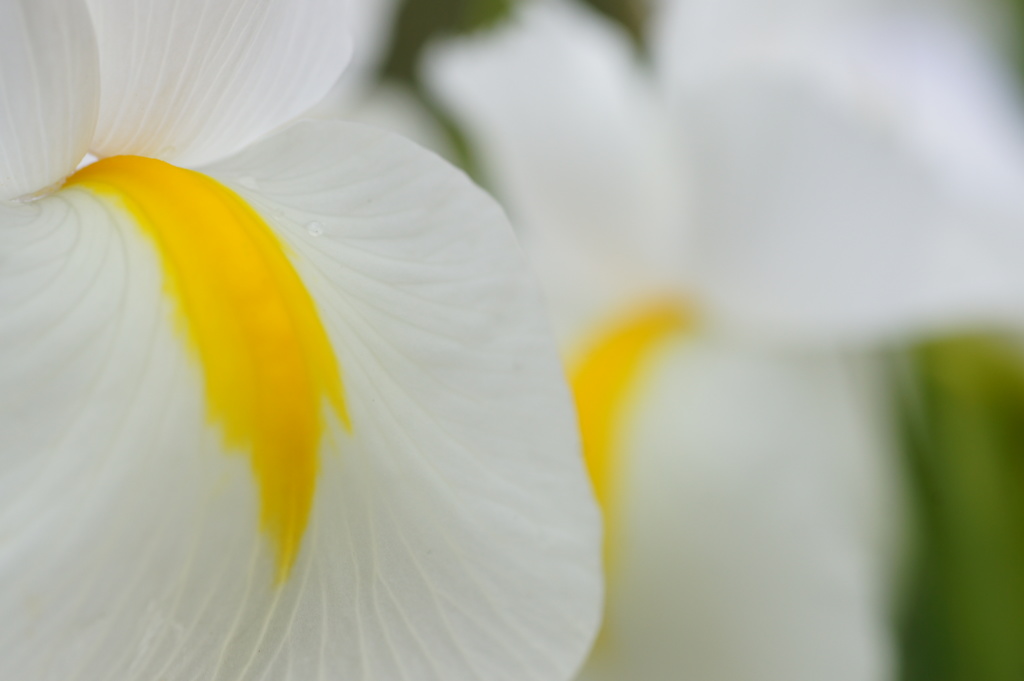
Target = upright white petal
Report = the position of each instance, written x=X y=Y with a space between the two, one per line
x=756 y=522
x=861 y=172
x=195 y=80
x=372 y=22
x=49 y=92
x=453 y=535
x=569 y=128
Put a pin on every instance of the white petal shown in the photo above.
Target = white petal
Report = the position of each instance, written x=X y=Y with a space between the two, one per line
x=569 y=129
x=453 y=535
x=49 y=92
x=468 y=464
x=372 y=21
x=195 y=80
x=855 y=179
x=394 y=107
x=756 y=522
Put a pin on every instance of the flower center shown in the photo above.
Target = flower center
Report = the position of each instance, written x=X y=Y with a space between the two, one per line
x=267 y=362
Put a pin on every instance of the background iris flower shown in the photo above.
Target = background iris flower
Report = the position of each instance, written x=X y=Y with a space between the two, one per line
x=802 y=184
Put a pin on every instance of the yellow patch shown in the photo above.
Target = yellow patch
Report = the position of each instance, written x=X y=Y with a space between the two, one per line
x=267 y=362
x=603 y=382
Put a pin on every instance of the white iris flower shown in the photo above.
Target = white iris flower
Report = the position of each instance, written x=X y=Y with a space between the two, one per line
x=292 y=415
x=789 y=176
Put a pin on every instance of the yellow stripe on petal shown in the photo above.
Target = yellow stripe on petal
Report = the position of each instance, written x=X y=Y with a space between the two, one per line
x=603 y=383
x=267 y=361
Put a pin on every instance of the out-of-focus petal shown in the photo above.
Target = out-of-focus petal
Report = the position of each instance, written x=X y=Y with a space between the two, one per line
x=856 y=178
x=191 y=81
x=452 y=536
x=569 y=129
x=372 y=21
x=49 y=92
x=393 y=107
x=755 y=522
x=371 y=27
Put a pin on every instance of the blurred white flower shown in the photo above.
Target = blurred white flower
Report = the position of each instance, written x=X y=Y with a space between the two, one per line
x=790 y=179
x=295 y=415
x=861 y=165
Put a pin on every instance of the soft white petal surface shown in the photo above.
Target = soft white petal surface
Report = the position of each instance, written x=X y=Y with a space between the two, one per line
x=570 y=131
x=393 y=107
x=372 y=21
x=453 y=534
x=756 y=522
x=191 y=81
x=857 y=177
x=49 y=92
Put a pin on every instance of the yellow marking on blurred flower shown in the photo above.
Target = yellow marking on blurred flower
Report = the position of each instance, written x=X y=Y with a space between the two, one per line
x=603 y=383
x=267 y=362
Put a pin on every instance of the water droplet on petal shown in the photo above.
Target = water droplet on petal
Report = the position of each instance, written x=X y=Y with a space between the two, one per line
x=315 y=228
x=248 y=182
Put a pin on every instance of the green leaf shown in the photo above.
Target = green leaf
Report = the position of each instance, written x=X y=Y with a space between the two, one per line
x=421 y=21
x=962 y=412
x=632 y=14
